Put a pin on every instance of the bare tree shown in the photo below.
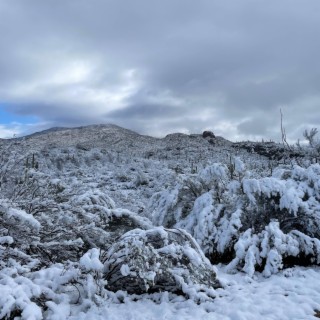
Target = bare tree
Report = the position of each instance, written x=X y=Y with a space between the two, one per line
x=286 y=145
x=310 y=136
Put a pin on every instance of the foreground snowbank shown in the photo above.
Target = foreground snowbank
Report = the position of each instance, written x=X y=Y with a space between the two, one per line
x=291 y=294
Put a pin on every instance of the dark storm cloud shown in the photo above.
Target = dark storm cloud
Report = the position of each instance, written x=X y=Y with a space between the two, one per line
x=161 y=66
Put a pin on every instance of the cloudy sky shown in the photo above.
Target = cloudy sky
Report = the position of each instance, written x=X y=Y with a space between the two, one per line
x=161 y=66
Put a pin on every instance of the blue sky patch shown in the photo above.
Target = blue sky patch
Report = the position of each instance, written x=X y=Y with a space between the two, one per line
x=7 y=117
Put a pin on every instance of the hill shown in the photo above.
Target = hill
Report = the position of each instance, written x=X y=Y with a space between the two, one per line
x=101 y=219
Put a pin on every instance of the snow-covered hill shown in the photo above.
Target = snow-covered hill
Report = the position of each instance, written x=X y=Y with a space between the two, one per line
x=118 y=139
x=116 y=159
x=81 y=207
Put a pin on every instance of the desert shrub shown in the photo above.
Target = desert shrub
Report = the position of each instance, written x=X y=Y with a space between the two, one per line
x=49 y=292
x=261 y=223
x=51 y=260
x=159 y=259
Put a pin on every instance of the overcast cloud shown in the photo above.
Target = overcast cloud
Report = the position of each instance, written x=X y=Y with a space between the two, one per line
x=162 y=66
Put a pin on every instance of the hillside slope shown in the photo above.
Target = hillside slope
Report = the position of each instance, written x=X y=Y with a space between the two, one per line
x=185 y=223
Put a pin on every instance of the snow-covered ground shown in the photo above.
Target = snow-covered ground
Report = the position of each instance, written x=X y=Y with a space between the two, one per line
x=68 y=195
x=291 y=294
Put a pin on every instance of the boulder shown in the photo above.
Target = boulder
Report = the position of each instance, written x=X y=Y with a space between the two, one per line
x=158 y=259
x=208 y=134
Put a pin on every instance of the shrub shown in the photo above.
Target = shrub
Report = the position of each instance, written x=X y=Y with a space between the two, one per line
x=262 y=223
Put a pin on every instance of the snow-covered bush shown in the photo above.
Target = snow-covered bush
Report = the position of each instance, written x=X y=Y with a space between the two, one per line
x=44 y=266
x=170 y=206
x=261 y=223
x=159 y=259
x=71 y=218
x=50 y=293
x=313 y=151
x=19 y=232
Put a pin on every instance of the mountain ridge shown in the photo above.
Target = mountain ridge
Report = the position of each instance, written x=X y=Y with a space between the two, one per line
x=124 y=140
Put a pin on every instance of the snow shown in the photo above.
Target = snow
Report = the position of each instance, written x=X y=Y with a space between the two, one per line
x=125 y=270
x=24 y=217
x=90 y=260
x=6 y=240
x=59 y=311
x=229 y=229
x=239 y=165
x=93 y=185
x=291 y=294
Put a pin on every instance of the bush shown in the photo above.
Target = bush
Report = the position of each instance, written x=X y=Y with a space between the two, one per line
x=159 y=260
x=262 y=223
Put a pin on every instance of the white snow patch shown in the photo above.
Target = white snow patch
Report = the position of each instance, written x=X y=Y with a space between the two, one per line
x=90 y=260
x=125 y=270
x=24 y=217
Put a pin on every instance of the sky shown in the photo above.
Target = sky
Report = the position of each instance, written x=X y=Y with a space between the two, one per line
x=159 y=67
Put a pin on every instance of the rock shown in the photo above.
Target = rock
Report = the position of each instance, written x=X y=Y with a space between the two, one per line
x=158 y=260
x=208 y=134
